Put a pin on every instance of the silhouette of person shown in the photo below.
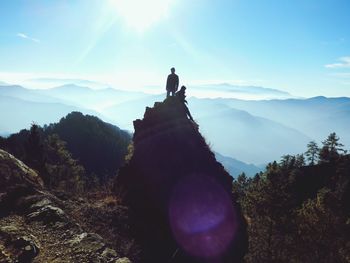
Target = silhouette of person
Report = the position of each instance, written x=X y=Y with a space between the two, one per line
x=172 y=83
x=180 y=95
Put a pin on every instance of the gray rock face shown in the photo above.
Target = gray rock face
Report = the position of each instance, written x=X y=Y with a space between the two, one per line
x=48 y=214
x=14 y=172
x=34 y=226
x=16 y=180
x=90 y=242
x=17 y=246
x=122 y=260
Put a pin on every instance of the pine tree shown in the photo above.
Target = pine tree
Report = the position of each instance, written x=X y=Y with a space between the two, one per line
x=312 y=152
x=292 y=161
x=64 y=172
x=299 y=160
x=331 y=148
x=34 y=153
x=239 y=185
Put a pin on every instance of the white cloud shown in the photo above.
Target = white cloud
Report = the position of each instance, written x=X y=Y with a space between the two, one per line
x=24 y=36
x=344 y=62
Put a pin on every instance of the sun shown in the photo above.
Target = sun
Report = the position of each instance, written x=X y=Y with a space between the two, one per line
x=140 y=15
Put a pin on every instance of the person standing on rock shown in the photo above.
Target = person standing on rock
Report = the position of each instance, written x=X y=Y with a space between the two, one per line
x=172 y=83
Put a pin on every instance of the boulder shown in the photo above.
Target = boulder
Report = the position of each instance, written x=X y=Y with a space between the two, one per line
x=16 y=180
x=16 y=246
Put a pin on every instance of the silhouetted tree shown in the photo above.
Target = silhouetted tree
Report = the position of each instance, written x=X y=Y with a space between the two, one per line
x=312 y=152
x=239 y=185
x=292 y=161
x=299 y=160
x=331 y=149
x=34 y=152
x=63 y=172
x=298 y=213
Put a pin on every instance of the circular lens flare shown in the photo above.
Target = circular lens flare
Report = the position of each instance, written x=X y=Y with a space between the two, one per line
x=202 y=217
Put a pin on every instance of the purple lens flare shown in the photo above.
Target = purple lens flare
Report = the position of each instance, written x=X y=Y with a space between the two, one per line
x=202 y=217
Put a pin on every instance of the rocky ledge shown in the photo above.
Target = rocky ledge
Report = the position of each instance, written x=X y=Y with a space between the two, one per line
x=34 y=226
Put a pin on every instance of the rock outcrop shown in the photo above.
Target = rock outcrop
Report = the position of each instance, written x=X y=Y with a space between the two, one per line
x=180 y=196
x=16 y=180
x=34 y=226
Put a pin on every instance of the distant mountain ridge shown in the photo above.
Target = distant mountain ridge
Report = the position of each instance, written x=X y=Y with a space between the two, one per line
x=96 y=99
x=227 y=90
x=315 y=117
x=248 y=137
x=17 y=114
x=19 y=92
x=235 y=167
x=240 y=88
x=271 y=127
x=65 y=81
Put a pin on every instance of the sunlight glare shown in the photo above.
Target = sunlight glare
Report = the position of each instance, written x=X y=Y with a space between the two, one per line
x=142 y=14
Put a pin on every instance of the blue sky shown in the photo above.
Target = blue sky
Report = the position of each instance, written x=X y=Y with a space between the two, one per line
x=299 y=46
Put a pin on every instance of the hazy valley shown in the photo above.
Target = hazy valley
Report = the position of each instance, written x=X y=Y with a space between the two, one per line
x=258 y=131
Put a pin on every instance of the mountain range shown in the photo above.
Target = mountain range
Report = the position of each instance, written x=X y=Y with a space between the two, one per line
x=227 y=90
x=235 y=167
x=251 y=131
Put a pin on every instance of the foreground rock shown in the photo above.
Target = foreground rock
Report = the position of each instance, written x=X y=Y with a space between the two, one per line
x=180 y=196
x=34 y=226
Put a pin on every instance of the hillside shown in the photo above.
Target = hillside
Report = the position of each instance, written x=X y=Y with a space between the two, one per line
x=98 y=146
x=298 y=212
x=182 y=199
x=36 y=226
